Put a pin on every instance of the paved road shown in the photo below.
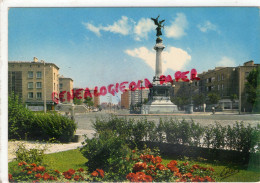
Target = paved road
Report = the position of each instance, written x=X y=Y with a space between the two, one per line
x=84 y=121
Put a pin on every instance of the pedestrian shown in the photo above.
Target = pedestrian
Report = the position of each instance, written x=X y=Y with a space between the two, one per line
x=213 y=110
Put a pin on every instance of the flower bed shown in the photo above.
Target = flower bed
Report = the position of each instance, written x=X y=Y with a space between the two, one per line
x=146 y=167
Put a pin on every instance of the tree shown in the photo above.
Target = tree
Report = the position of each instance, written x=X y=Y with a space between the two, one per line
x=233 y=97
x=77 y=101
x=198 y=99
x=145 y=101
x=89 y=101
x=213 y=98
x=180 y=101
x=252 y=88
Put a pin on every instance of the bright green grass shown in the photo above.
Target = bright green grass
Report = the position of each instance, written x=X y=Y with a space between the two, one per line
x=226 y=172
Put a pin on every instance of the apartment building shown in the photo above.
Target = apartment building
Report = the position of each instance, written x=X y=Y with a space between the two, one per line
x=65 y=84
x=31 y=80
x=226 y=81
x=133 y=97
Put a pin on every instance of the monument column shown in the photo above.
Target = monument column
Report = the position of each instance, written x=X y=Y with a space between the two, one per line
x=158 y=66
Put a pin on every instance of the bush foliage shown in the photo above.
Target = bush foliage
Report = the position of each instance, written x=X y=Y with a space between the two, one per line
x=25 y=124
x=238 y=137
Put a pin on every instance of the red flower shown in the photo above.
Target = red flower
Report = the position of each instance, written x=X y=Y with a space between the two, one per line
x=80 y=170
x=195 y=166
x=139 y=166
x=34 y=169
x=147 y=158
x=94 y=174
x=38 y=175
x=211 y=169
x=151 y=167
x=139 y=177
x=67 y=175
x=22 y=163
x=76 y=177
x=178 y=174
x=185 y=164
x=131 y=177
x=189 y=175
x=33 y=164
x=157 y=159
x=174 y=169
x=173 y=163
x=35 y=181
x=160 y=166
x=57 y=171
x=40 y=168
x=71 y=171
x=46 y=176
x=133 y=151
x=29 y=172
x=10 y=176
x=101 y=172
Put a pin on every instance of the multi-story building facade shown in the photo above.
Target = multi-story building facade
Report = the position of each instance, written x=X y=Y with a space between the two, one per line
x=66 y=84
x=32 y=80
x=133 y=97
x=96 y=99
x=225 y=81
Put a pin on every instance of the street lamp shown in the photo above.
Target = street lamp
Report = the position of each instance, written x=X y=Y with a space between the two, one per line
x=190 y=82
x=191 y=106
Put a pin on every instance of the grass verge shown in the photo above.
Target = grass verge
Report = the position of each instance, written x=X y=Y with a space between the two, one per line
x=226 y=172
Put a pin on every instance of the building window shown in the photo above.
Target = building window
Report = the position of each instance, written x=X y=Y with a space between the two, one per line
x=30 y=74
x=38 y=84
x=30 y=85
x=218 y=87
x=222 y=86
x=222 y=77
x=61 y=85
x=39 y=74
x=30 y=95
x=54 y=76
x=54 y=86
x=246 y=74
x=39 y=95
x=218 y=77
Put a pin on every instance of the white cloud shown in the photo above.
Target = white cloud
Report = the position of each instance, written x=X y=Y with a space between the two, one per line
x=177 y=27
x=93 y=28
x=143 y=27
x=144 y=54
x=121 y=27
x=226 y=62
x=173 y=58
x=207 y=26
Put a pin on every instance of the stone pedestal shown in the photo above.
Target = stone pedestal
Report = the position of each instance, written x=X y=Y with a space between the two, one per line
x=159 y=96
x=190 y=109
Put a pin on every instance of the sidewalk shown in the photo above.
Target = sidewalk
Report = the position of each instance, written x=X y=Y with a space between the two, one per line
x=51 y=147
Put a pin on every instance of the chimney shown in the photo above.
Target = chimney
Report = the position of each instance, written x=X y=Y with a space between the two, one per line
x=35 y=59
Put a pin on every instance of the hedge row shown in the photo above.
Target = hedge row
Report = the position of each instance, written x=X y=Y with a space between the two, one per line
x=238 y=137
x=25 y=124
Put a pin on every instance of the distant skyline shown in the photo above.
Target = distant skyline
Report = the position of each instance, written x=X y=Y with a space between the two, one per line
x=102 y=46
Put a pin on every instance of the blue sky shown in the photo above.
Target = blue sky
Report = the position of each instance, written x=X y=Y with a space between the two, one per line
x=102 y=46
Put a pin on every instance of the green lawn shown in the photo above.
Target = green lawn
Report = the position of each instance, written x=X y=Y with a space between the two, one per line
x=226 y=172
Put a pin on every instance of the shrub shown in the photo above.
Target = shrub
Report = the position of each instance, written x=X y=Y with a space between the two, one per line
x=34 y=155
x=25 y=124
x=237 y=137
x=107 y=151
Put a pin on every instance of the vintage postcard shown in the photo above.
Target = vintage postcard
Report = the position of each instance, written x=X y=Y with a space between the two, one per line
x=150 y=94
